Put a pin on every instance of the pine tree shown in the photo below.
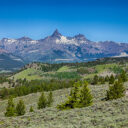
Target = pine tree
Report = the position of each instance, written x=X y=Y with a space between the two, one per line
x=42 y=103
x=95 y=80
x=120 y=79
x=85 y=97
x=101 y=80
x=107 y=78
x=31 y=109
x=79 y=97
x=49 y=99
x=10 y=110
x=20 y=108
x=111 y=79
x=115 y=91
x=123 y=76
x=72 y=98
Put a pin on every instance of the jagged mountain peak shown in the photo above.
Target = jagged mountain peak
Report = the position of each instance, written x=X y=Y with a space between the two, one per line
x=80 y=37
x=56 y=33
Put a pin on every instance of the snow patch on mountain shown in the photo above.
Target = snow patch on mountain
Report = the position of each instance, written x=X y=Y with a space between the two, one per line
x=123 y=54
x=33 y=51
x=34 y=42
x=65 y=40
x=9 y=41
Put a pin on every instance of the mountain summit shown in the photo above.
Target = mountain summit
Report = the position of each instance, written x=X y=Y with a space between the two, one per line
x=56 y=33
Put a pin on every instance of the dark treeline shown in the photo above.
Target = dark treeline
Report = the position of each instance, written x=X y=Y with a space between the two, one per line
x=24 y=87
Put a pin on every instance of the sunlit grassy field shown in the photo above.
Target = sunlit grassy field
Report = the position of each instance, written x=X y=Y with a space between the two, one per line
x=29 y=74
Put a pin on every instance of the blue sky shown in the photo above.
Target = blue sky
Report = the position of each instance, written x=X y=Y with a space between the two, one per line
x=98 y=20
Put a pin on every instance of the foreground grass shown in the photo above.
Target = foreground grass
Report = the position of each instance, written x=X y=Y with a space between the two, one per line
x=102 y=114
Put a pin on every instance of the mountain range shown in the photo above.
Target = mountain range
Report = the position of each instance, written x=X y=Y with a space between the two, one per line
x=57 y=48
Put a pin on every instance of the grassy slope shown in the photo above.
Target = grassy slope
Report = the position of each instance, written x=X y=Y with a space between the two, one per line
x=63 y=69
x=102 y=114
x=29 y=74
x=32 y=74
